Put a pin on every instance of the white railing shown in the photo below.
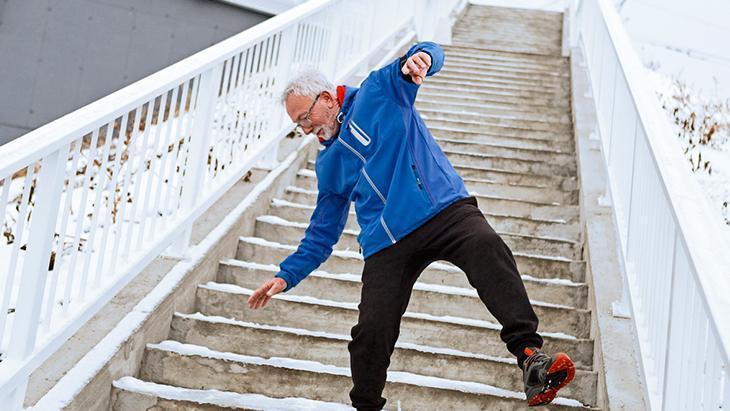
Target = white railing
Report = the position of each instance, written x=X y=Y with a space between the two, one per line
x=89 y=200
x=678 y=273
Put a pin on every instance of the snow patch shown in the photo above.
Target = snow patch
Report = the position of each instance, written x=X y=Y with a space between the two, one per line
x=283 y=203
x=226 y=399
x=317 y=367
x=341 y=337
x=305 y=172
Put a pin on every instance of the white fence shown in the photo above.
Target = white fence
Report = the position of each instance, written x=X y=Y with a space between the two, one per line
x=87 y=201
x=678 y=276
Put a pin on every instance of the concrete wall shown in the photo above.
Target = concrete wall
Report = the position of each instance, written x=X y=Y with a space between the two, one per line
x=57 y=56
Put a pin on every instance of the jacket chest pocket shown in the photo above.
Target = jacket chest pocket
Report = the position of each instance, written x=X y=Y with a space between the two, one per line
x=360 y=135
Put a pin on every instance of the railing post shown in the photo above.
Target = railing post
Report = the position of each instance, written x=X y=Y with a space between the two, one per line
x=333 y=48
x=35 y=268
x=278 y=116
x=199 y=145
x=425 y=19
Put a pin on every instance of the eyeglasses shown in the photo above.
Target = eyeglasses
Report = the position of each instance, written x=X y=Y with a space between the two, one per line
x=307 y=120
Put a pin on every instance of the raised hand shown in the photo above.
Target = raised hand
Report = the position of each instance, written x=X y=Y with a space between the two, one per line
x=263 y=294
x=417 y=66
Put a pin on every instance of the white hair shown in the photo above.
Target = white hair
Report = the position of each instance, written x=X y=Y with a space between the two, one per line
x=309 y=82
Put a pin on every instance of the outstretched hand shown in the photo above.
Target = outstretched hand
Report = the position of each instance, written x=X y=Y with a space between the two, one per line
x=263 y=294
x=417 y=66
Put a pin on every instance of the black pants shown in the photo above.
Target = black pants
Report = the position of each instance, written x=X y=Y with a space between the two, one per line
x=461 y=235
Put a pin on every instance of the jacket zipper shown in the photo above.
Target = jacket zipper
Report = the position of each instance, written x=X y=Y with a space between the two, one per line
x=372 y=185
x=415 y=174
x=387 y=230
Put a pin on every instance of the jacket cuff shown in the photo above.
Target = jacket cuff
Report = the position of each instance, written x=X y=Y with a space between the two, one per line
x=287 y=278
x=403 y=60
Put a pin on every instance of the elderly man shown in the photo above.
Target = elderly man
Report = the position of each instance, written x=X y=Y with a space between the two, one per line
x=413 y=209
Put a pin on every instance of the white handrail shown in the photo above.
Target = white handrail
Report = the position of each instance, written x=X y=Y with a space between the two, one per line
x=671 y=247
x=92 y=198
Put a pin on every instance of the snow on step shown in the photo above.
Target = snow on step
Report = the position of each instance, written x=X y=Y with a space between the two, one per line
x=224 y=398
x=356 y=278
x=342 y=337
x=317 y=367
x=235 y=289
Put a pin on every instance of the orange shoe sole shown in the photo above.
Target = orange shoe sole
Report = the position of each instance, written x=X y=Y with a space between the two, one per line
x=559 y=375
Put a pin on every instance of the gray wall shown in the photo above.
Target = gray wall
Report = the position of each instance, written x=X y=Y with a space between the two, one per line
x=59 y=55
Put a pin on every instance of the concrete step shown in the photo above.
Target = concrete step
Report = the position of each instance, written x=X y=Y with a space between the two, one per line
x=539 y=38
x=503 y=176
x=527 y=192
x=466 y=67
x=482 y=337
x=445 y=121
x=501 y=223
x=470 y=52
x=495 y=95
x=477 y=58
x=222 y=334
x=499 y=69
x=292 y=232
x=498 y=205
x=506 y=150
x=179 y=364
x=553 y=17
x=492 y=79
x=560 y=290
x=132 y=394
x=511 y=121
x=460 y=131
x=495 y=105
x=348 y=261
x=534 y=167
x=514 y=177
x=459 y=82
x=454 y=103
x=498 y=43
x=437 y=300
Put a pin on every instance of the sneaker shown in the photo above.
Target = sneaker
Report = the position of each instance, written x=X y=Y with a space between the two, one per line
x=544 y=375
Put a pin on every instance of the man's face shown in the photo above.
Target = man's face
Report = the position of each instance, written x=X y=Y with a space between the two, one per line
x=321 y=120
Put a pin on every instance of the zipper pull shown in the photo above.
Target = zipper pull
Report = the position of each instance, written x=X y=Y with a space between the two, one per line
x=415 y=173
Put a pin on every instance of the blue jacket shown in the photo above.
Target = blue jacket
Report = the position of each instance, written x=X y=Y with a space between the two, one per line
x=386 y=161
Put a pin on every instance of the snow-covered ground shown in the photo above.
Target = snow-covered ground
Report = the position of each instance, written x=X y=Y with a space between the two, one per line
x=685 y=39
x=684 y=46
x=703 y=126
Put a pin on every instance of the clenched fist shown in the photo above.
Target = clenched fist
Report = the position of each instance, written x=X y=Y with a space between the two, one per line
x=263 y=294
x=417 y=66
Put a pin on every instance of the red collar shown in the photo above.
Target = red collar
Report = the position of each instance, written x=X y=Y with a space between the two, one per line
x=340 y=101
x=341 y=95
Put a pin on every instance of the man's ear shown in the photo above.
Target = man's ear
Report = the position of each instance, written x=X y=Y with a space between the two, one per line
x=329 y=99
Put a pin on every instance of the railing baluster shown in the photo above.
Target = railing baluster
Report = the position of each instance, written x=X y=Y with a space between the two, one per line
x=159 y=212
x=108 y=215
x=35 y=265
x=140 y=167
x=172 y=172
x=20 y=231
x=81 y=215
x=146 y=205
x=70 y=175
x=200 y=141
x=132 y=155
x=99 y=182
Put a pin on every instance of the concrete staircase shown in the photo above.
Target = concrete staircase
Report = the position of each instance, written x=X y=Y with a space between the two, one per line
x=500 y=110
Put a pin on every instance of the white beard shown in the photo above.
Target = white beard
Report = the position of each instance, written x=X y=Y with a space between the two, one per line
x=326 y=132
